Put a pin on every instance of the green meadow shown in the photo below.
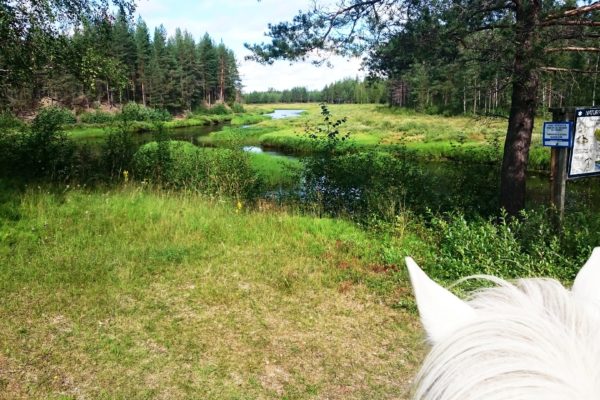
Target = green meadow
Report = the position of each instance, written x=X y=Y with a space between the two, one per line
x=134 y=293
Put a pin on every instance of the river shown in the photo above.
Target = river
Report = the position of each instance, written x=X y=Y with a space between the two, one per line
x=580 y=193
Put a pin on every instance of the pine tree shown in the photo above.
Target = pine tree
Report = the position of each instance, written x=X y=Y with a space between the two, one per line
x=143 y=55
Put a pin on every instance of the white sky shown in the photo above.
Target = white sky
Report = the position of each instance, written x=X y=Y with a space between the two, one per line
x=239 y=21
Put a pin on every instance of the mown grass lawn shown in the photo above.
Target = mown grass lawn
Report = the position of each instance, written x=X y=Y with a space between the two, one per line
x=137 y=294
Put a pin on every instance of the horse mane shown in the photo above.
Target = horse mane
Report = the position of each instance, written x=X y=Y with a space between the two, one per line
x=531 y=340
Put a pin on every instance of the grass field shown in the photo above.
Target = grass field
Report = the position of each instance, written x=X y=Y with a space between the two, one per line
x=138 y=294
x=276 y=171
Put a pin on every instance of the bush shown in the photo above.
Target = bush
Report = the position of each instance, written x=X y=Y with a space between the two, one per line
x=219 y=172
x=40 y=151
x=96 y=117
x=137 y=112
x=11 y=151
x=59 y=115
x=217 y=109
x=117 y=152
x=512 y=248
x=10 y=122
x=11 y=138
x=237 y=108
x=366 y=185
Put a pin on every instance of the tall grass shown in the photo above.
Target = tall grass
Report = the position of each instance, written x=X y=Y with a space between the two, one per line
x=132 y=293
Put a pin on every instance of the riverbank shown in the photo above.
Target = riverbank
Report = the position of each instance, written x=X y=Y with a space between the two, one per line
x=88 y=131
x=132 y=292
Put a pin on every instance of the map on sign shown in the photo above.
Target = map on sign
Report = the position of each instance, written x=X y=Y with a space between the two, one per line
x=584 y=159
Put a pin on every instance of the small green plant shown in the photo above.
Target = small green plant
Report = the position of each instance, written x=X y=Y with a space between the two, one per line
x=237 y=108
x=329 y=130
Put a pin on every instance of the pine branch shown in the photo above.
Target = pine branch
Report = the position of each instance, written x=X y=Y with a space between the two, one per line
x=574 y=12
x=570 y=70
x=574 y=48
x=573 y=22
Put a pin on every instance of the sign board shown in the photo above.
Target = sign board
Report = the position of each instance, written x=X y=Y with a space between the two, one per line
x=557 y=134
x=584 y=158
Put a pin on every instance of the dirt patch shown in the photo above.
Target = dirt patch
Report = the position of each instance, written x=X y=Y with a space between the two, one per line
x=274 y=378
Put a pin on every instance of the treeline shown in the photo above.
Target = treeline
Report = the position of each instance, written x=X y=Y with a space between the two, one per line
x=477 y=78
x=111 y=59
x=344 y=91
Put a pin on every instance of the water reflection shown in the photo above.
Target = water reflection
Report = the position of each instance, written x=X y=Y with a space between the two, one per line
x=279 y=114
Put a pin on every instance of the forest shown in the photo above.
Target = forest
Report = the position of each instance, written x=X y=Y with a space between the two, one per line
x=111 y=60
x=347 y=90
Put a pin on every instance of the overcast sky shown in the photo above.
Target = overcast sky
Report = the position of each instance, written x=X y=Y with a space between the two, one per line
x=239 y=21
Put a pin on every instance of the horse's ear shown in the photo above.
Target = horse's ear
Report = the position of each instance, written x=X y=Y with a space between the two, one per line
x=587 y=282
x=441 y=311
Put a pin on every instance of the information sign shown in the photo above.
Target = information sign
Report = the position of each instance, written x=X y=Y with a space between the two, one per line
x=584 y=157
x=557 y=134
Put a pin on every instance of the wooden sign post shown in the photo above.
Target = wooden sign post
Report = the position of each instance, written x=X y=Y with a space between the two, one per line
x=558 y=164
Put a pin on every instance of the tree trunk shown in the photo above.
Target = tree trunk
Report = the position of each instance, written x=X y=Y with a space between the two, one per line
x=143 y=94
x=522 y=110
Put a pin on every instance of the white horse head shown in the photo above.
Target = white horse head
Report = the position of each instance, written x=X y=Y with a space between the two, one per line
x=532 y=340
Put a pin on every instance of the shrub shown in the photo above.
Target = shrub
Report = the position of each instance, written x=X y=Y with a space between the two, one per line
x=11 y=138
x=11 y=152
x=10 y=122
x=137 y=112
x=39 y=151
x=237 y=108
x=117 y=152
x=59 y=115
x=365 y=185
x=512 y=248
x=96 y=117
x=218 y=172
x=217 y=109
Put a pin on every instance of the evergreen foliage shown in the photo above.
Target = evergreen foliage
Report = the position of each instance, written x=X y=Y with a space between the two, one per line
x=111 y=59
x=347 y=90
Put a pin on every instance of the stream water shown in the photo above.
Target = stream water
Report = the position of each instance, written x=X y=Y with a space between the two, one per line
x=580 y=193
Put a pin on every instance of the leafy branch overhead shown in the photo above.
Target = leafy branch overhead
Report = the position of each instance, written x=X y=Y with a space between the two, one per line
x=348 y=30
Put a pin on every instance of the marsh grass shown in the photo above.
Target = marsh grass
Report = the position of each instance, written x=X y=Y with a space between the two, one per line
x=135 y=293
x=434 y=137
x=83 y=130
x=276 y=171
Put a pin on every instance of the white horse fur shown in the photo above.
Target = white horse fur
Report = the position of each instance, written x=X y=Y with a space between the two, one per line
x=531 y=340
